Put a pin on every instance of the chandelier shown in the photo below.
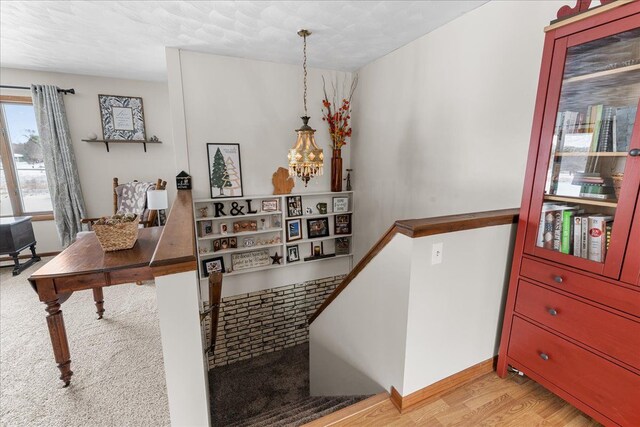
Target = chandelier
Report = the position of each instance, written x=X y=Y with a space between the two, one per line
x=305 y=158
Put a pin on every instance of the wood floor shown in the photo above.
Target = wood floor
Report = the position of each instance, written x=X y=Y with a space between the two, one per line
x=487 y=401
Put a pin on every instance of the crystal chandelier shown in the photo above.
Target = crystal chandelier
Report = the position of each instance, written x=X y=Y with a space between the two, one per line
x=305 y=158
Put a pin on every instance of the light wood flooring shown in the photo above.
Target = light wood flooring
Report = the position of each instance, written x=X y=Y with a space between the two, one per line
x=486 y=401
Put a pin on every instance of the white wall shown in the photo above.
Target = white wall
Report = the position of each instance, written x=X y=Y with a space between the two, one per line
x=406 y=323
x=96 y=167
x=456 y=307
x=356 y=346
x=442 y=125
x=258 y=105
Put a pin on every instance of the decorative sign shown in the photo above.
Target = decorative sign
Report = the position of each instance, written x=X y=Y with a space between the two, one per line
x=252 y=259
x=340 y=204
x=122 y=117
x=183 y=181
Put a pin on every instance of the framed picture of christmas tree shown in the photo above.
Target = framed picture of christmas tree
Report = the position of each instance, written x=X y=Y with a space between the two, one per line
x=225 y=174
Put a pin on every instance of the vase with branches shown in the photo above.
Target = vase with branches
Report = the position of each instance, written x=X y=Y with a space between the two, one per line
x=336 y=111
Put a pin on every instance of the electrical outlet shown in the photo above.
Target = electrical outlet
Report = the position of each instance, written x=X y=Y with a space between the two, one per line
x=436 y=253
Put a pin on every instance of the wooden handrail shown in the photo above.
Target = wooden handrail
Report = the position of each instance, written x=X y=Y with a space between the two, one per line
x=176 y=250
x=415 y=228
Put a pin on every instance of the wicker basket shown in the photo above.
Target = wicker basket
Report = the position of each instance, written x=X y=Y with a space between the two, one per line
x=617 y=183
x=117 y=237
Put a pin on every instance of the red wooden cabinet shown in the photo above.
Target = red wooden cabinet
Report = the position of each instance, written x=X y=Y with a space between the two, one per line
x=572 y=319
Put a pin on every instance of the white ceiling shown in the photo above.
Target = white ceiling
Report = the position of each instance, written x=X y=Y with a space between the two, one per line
x=127 y=38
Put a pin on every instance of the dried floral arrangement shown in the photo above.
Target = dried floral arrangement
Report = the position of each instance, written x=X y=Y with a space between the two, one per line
x=337 y=113
x=116 y=219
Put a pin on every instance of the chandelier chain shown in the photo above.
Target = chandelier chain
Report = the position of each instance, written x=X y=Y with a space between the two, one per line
x=304 y=67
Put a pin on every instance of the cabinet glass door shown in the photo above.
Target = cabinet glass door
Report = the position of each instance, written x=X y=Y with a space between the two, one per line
x=590 y=169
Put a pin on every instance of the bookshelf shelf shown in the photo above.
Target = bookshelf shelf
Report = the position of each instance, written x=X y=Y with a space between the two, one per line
x=582 y=200
x=591 y=154
x=276 y=221
x=603 y=74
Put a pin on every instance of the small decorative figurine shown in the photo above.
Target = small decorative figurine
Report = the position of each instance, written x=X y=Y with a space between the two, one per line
x=348 y=179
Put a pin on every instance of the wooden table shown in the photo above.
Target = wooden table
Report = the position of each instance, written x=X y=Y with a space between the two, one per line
x=16 y=235
x=84 y=265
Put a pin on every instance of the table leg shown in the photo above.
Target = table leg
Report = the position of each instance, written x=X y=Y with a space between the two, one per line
x=34 y=256
x=99 y=300
x=58 y=334
x=16 y=263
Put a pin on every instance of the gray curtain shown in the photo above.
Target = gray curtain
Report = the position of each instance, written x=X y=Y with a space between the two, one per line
x=59 y=161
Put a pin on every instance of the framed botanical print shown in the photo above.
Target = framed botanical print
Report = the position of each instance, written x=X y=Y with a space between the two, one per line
x=122 y=117
x=225 y=171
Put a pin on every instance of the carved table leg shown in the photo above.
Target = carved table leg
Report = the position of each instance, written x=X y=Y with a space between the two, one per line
x=59 y=341
x=99 y=300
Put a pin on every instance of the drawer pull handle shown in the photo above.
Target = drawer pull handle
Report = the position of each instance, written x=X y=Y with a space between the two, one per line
x=557 y=279
x=544 y=356
x=552 y=312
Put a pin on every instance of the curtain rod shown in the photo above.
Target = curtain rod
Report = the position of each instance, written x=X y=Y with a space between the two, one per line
x=64 y=91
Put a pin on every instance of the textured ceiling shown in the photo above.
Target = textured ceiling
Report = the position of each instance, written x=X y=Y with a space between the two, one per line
x=127 y=38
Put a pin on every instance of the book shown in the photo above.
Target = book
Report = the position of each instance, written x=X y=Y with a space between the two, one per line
x=546 y=207
x=558 y=221
x=597 y=237
x=567 y=232
x=624 y=118
x=547 y=239
x=584 y=239
x=605 y=139
x=577 y=236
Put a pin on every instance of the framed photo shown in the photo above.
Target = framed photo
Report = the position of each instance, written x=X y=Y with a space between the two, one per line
x=233 y=242
x=342 y=246
x=223 y=228
x=225 y=172
x=216 y=245
x=224 y=243
x=340 y=204
x=342 y=224
x=270 y=205
x=293 y=254
x=276 y=221
x=294 y=206
x=294 y=229
x=206 y=228
x=122 y=117
x=212 y=265
x=318 y=227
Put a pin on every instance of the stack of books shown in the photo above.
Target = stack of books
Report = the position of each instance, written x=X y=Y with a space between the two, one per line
x=569 y=230
x=593 y=185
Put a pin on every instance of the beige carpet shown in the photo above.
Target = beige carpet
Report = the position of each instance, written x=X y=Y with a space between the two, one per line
x=117 y=361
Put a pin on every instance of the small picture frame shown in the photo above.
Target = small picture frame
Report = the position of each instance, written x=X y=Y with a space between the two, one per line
x=206 y=228
x=294 y=229
x=342 y=246
x=293 y=253
x=340 y=204
x=317 y=227
x=224 y=228
x=342 y=224
x=276 y=221
x=224 y=243
x=233 y=242
x=294 y=206
x=270 y=205
x=216 y=245
x=122 y=117
x=212 y=265
x=249 y=242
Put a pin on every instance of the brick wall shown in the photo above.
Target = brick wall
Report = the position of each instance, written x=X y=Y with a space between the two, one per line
x=265 y=321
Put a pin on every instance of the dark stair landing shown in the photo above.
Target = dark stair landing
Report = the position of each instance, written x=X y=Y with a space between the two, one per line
x=269 y=390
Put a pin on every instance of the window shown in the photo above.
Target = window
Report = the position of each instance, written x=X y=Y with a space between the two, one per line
x=23 y=179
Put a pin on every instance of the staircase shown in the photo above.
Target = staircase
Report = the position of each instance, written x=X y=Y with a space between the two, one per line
x=300 y=412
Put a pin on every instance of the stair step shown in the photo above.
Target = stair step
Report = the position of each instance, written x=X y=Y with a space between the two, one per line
x=299 y=412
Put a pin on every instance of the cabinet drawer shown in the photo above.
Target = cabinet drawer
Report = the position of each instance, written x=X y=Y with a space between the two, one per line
x=602 y=385
x=587 y=287
x=614 y=335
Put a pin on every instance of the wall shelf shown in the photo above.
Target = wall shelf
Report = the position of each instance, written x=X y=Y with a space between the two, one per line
x=106 y=142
